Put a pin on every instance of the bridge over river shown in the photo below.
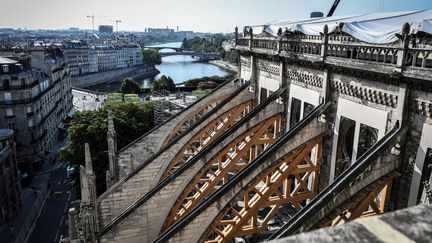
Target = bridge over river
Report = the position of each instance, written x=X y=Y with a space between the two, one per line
x=178 y=51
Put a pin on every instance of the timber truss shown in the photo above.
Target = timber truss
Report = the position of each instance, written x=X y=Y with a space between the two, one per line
x=369 y=201
x=187 y=122
x=290 y=181
x=231 y=159
x=204 y=137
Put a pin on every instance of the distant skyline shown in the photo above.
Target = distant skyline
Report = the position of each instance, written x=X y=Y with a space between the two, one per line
x=196 y=15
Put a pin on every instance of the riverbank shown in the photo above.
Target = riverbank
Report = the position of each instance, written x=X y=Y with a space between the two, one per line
x=225 y=65
x=112 y=76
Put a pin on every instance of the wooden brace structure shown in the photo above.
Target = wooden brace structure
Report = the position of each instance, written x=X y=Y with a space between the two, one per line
x=369 y=201
x=231 y=159
x=206 y=135
x=290 y=181
x=186 y=122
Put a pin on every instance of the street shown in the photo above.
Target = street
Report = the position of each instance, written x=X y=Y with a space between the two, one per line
x=52 y=223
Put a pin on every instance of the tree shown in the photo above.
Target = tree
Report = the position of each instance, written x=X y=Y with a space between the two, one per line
x=198 y=44
x=164 y=83
x=152 y=57
x=218 y=80
x=232 y=56
x=129 y=86
x=207 y=85
x=131 y=120
x=185 y=44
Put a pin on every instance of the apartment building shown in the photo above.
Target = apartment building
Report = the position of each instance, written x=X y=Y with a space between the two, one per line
x=10 y=188
x=83 y=58
x=35 y=98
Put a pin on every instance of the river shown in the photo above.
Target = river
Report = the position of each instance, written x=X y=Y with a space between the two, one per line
x=179 y=68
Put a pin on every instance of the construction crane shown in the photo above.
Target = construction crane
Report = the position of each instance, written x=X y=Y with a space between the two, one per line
x=117 y=21
x=92 y=16
x=333 y=8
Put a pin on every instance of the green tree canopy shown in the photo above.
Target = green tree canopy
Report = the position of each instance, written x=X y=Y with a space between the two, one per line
x=198 y=44
x=129 y=86
x=131 y=120
x=164 y=83
x=232 y=56
x=207 y=85
x=151 y=56
x=218 y=80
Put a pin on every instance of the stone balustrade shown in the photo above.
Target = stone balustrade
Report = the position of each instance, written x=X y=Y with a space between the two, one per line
x=397 y=54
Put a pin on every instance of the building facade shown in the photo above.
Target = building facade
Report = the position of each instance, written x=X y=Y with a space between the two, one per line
x=105 y=29
x=80 y=58
x=10 y=188
x=83 y=58
x=35 y=98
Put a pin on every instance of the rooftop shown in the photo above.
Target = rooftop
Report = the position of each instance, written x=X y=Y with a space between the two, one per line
x=377 y=28
x=5 y=60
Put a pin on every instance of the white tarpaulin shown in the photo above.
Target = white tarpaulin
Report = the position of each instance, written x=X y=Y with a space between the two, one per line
x=378 y=28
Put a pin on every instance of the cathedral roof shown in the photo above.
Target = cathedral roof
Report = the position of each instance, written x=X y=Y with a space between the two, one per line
x=377 y=28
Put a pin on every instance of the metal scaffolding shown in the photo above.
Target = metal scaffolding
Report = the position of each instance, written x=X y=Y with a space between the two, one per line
x=164 y=109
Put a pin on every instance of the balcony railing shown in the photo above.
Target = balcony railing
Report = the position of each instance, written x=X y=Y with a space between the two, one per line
x=419 y=57
x=301 y=47
x=364 y=53
x=345 y=47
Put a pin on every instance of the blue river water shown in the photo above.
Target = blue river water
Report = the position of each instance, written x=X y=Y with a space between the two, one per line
x=182 y=68
x=179 y=68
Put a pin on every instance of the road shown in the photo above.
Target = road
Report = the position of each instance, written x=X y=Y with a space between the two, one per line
x=52 y=223
x=86 y=101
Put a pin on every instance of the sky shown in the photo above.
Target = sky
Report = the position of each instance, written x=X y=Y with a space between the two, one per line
x=197 y=15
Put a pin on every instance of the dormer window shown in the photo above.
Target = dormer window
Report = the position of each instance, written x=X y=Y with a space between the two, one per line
x=5 y=68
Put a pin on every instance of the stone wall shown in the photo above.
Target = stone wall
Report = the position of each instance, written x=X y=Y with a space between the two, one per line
x=147 y=145
x=382 y=166
x=419 y=113
x=112 y=76
x=414 y=227
x=372 y=95
x=121 y=196
x=146 y=221
x=368 y=90
x=197 y=227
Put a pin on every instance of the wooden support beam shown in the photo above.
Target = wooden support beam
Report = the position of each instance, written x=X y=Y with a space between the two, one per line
x=206 y=135
x=231 y=159
x=186 y=122
x=362 y=204
x=267 y=196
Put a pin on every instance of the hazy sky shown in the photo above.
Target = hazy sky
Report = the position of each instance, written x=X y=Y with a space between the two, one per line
x=197 y=15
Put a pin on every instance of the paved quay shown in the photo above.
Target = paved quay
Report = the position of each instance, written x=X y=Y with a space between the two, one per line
x=86 y=100
x=225 y=65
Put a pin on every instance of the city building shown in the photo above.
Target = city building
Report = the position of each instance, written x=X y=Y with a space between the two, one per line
x=159 y=30
x=10 y=188
x=35 y=98
x=105 y=29
x=83 y=58
x=106 y=57
x=80 y=57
